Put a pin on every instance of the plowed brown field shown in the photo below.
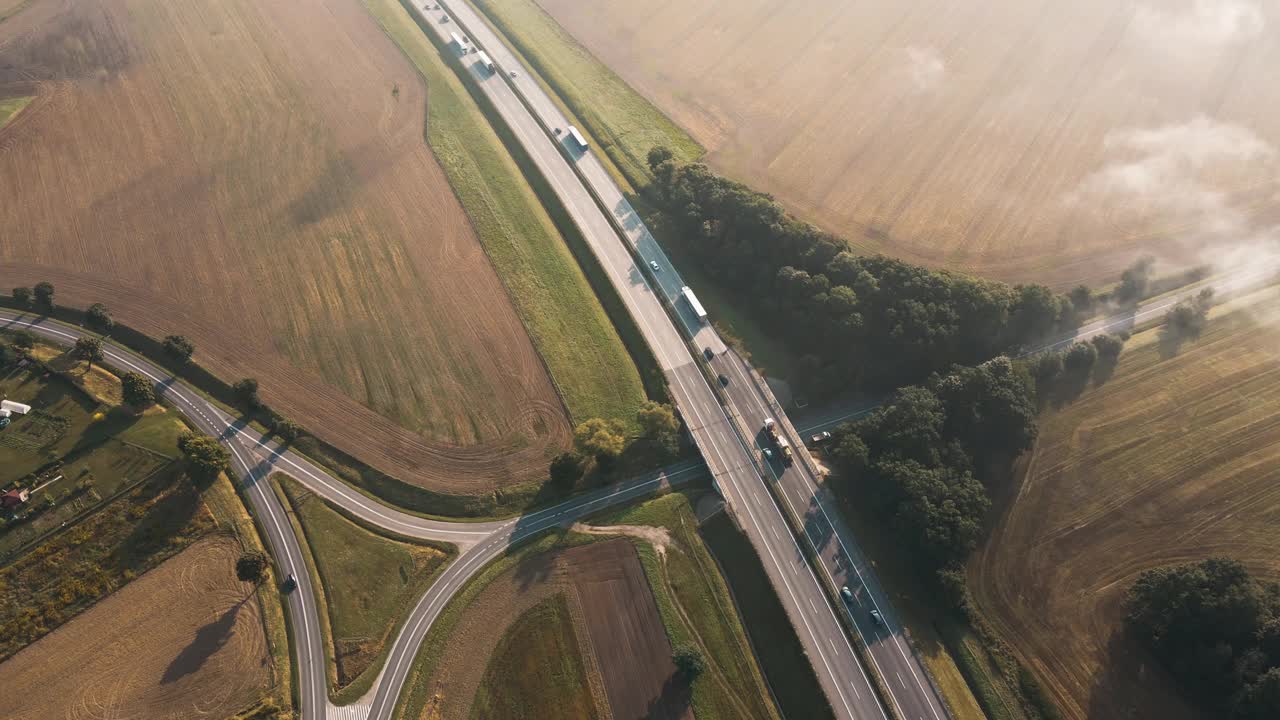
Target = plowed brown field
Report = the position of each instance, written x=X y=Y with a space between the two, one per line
x=624 y=644
x=1021 y=140
x=182 y=641
x=253 y=175
x=1172 y=460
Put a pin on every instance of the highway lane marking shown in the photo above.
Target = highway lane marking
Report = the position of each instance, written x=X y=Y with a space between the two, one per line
x=782 y=574
x=900 y=682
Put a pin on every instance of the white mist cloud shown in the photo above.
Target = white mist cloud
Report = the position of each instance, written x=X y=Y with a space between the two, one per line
x=925 y=67
x=1204 y=26
x=1167 y=172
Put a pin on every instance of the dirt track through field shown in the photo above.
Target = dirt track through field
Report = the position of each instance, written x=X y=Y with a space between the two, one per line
x=253 y=175
x=623 y=641
x=1020 y=140
x=182 y=641
x=1170 y=461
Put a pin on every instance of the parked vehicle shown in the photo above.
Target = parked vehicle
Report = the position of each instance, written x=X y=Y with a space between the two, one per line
x=821 y=437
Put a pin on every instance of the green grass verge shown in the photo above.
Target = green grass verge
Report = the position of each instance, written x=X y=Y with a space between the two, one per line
x=10 y=107
x=369 y=581
x=537 y=670
x=620 y=121
x=782 y=658
x=570 y=328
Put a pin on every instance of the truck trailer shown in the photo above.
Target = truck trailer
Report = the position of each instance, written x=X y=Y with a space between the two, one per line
x=694 y=305
x=486 y=61
x=577 y=137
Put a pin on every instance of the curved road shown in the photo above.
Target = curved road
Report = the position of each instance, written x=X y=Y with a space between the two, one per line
x=255 y=457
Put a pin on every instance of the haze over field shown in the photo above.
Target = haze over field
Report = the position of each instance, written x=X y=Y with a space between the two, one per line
x=1024 y=141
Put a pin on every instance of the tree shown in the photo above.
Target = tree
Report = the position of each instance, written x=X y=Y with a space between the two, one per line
x=602 y=438
x=663 y=167
x=287 y=430
x=99 y=317
x=1079 y=359
x=989 y=409
x=251 y=567
x=178 y=348
x=941 y=510
x=205 y=456
x=137 y=390
x=88 y=348
x=1261 y=699
x=24 y=339
x=661 y=426
x=1135 y=281
x=566 y=470
x=246 y=391
x=1201 y=620
x=1081 y=298
x=44 y=297
x=689 y=661
x=22 y=297
x=8 y=356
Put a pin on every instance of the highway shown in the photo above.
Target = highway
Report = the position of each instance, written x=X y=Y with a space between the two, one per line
x=731 y=462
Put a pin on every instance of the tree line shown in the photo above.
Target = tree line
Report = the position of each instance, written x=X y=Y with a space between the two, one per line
x=930 y=457
x=1216 y=629
x=870 y=321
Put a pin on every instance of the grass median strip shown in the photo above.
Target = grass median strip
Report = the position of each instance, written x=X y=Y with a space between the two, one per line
x=369 y=580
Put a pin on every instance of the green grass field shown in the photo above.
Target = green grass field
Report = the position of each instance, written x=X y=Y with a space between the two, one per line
x=369 y=580
x=621 y=122
x=10 y=107
x=587 y=360
x=782 y=657
x=537 y=670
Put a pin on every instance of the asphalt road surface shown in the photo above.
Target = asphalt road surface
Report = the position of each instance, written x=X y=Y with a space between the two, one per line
x=730 y=460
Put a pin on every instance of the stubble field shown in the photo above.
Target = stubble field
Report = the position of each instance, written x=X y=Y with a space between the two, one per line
x=254 y=176
x=1171 y=460
x=183 y=641
x=1044 y=141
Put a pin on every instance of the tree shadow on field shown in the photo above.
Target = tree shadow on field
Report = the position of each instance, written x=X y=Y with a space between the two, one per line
x=536 y=569
x=208 y=641
x=673 y=702
x=1130 y=685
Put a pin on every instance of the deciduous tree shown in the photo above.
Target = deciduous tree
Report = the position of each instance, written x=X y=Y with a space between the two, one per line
x=138 y=390
x=44 y=297
x=99 y=318
x=179 y=349
x=205 y=456
x=88 y=349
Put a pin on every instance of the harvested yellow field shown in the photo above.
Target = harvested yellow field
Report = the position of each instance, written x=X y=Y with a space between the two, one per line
x=183 y=641
x=254 y=175
x=1018 y=140
x=1172 y=460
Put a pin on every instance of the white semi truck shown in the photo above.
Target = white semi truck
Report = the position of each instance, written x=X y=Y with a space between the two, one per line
x=694 y=305
x=486 y=61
